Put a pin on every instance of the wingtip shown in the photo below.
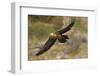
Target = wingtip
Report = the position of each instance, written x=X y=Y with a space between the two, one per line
x=38 y=54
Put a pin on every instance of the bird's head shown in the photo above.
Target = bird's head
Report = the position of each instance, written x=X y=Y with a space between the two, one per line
x=53 y=35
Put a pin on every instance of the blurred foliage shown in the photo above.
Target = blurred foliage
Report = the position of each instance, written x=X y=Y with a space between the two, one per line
x=38 y=31
x=81 y=24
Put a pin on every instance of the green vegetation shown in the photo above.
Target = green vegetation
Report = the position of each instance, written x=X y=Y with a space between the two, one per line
x=38 y=31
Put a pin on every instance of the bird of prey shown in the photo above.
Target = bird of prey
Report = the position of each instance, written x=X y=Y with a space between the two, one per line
x=59 y=35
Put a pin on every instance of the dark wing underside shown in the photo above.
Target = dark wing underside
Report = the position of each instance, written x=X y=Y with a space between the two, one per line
x=46 y=46
x=66 y=28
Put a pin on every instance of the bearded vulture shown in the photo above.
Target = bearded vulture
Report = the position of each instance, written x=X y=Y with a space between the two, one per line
x=56 y=36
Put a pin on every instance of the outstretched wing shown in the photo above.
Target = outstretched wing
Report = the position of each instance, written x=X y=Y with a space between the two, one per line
x=66 y=28
x=46 y=46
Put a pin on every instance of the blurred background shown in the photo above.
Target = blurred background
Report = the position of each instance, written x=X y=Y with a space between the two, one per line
x=39 y=28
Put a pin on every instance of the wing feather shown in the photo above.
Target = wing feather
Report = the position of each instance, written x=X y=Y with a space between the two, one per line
x=49 y=43
x=66 y=28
